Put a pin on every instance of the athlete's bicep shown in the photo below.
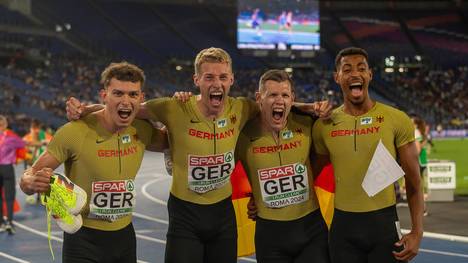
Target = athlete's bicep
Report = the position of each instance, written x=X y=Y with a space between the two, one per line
x=408 y=156
x=143 y=112
x=157 y=109
x=410 y=164
x=252 y=108
x=159 y=140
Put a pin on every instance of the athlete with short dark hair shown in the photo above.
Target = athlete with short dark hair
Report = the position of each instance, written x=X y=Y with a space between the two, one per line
x=364 y=228
x=102 y=154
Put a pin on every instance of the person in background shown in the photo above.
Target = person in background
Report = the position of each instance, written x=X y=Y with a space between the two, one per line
x=36 y=141
x=421 y=141
x=9 y=144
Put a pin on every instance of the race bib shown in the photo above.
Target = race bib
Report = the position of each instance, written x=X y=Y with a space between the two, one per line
x=209 y=172
x=111 y=200
x=284 y=185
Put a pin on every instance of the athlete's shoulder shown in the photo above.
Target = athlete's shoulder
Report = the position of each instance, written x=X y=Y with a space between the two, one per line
x=142 y=125
x=78 y=126
x=394 y=113
x=239 y=101
x=300 y=115
x=144 y=130
x=386 y=108
x=244 y=107
x=337 y=115
x=157 y=103
x=253 y=126
x=70 y=137
x=160 y=100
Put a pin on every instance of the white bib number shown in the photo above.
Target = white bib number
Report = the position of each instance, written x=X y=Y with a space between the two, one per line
x=284 y=185
x=209 y=172
x=111 y=200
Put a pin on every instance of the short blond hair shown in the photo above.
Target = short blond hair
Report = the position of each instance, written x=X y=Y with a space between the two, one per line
x=277 y=75
x=212 y=55
x=122 y=71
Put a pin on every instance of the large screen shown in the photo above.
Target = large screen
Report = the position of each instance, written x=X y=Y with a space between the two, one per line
x=278 y=24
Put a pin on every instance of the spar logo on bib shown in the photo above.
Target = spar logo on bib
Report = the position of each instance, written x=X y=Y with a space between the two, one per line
x=209 y=172
x=111 y=200
x=284 y=185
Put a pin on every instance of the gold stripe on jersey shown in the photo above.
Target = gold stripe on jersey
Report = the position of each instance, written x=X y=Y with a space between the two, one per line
x=92 y=154
x=201 y=148
x=350 y=141
x=258 y=151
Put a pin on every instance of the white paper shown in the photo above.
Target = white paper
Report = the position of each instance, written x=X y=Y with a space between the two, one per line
x=383 y=171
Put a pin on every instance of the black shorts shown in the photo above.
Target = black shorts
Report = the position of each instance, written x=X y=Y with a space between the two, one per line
x=201 y=233
x=364 y=236
x=303 y=240
x=90 y=245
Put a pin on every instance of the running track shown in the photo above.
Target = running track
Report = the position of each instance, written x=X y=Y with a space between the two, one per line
x=150 y=221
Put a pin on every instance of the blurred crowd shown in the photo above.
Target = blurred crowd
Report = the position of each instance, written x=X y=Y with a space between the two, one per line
x=440 y=96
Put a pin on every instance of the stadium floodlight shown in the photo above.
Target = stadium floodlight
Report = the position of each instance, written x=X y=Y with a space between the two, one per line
x=389 y=62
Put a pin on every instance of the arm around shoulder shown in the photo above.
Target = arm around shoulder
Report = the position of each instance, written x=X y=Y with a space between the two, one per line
x=154 y=109
x=159 y=140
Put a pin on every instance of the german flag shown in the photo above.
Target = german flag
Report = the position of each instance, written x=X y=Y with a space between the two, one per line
x=324 y=186
x=241 y=192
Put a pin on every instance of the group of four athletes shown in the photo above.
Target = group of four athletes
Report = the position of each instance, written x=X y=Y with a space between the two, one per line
x=281 y=146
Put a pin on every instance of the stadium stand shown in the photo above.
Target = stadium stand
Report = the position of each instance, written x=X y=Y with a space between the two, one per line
x=57 y=49
x=163 y=37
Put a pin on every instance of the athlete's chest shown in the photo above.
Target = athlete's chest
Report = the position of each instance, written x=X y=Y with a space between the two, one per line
x=354 y=135
x=292 y=145
x=115 y=156
x=206 y=136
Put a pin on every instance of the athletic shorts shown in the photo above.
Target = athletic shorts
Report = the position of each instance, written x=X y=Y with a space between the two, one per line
x=201 y=233
x=304 y=240
x=357 y=237
x=90 y=245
